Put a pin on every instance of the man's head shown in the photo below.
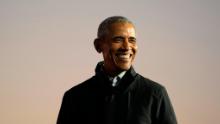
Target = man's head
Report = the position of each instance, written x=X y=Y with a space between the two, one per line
x=117 y=42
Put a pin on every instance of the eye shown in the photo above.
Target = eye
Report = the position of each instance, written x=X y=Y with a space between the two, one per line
x=132 y=40
x=118 y=39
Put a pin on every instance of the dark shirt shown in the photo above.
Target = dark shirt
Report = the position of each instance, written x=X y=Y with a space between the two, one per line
x=135 y=100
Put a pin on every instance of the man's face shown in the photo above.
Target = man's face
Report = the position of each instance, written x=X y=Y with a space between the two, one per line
x=119 y=48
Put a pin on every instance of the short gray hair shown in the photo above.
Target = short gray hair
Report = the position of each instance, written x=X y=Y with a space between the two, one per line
x=104 y=26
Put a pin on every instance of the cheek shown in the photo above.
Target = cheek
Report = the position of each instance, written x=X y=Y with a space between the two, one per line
x=110 y=49
x=134 y=48
x=114 y=47
x=107 y=53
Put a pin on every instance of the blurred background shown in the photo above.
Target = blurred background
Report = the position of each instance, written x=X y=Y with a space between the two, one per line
x=46 y=47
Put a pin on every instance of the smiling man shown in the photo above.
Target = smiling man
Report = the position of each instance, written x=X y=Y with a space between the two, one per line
x=118 y=47
x=116 y=94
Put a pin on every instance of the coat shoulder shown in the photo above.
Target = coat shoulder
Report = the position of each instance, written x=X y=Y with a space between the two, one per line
x=81 y=87
x=146 y=85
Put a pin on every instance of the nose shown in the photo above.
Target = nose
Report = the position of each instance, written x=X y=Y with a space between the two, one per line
x=126 y=44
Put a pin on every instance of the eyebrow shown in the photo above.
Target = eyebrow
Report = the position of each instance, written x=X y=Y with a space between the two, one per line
x=115 y=37
x=132 y=38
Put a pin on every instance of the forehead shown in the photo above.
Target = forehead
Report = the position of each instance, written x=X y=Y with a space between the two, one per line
x=122 y=29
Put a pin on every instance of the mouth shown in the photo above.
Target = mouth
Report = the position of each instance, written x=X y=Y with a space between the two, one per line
x=123 y=56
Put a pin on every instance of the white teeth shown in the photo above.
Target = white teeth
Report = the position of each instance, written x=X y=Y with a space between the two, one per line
x=122 y=56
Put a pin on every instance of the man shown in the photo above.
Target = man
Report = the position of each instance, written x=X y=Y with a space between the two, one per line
x=116 y=94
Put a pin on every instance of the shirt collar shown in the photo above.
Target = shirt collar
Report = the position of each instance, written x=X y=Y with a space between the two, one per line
x=120 y=75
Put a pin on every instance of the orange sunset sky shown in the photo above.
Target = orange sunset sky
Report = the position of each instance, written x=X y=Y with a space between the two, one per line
x=46 y=47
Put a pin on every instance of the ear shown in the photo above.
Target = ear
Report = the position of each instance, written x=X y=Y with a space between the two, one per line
x=97 y=45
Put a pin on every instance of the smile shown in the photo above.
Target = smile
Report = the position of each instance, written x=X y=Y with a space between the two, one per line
x=123 y=56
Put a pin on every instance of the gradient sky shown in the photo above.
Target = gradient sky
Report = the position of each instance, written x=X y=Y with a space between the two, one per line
x=46 y=47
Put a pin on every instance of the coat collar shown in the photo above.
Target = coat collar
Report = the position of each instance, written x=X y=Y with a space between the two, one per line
x=125 y=82
x=99 y=70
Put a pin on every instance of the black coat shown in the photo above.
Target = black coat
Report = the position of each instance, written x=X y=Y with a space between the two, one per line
x=136 y=100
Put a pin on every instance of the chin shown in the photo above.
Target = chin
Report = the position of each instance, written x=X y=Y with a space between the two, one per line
x=124 y=67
